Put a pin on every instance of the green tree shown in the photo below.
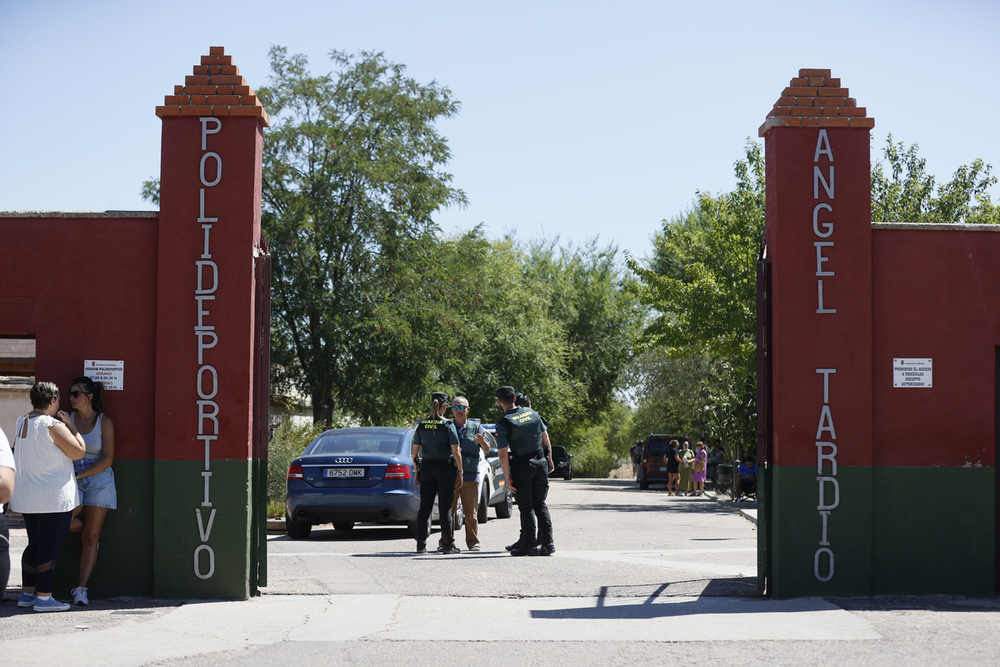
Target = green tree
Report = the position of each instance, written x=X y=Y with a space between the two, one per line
x=702 y=282
x=705 y=303
x=591 y=297
x=351 y=177
x=505 y=333
x=669 y=394
x=908 y=195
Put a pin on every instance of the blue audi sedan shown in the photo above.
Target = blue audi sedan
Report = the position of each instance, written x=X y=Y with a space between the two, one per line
x=348 y=475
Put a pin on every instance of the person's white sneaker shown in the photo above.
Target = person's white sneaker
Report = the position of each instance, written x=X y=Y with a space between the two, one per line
x=80 y=596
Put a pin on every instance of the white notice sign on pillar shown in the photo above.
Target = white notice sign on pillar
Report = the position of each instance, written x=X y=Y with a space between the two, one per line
x=109 y=371
x=910 y=372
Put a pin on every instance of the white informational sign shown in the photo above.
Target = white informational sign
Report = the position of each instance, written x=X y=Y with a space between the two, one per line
x=110 y=372
x=911 y=372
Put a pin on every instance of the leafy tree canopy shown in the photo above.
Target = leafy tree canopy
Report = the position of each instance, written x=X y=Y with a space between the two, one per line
x=351 y=177
x=908 y=195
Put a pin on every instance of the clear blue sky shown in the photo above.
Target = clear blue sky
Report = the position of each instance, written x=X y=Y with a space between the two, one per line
x=578 y=119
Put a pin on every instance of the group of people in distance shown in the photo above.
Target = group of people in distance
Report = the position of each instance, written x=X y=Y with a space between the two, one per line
x=449 y=450
x=687 y=470
x=57 y=475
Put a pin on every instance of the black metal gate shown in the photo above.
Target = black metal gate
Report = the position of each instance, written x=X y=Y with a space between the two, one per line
x=764 y=431
x=261 y=418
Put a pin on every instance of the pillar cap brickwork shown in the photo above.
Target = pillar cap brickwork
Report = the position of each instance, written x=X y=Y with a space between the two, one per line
x=215 y=89
x=815 y=99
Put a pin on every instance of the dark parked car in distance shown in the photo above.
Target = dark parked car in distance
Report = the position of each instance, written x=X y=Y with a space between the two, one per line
x=563 y=462
x=653 y=467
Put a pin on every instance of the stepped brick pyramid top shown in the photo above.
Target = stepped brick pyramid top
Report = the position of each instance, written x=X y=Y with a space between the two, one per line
x=215 y=89
x=814 y=99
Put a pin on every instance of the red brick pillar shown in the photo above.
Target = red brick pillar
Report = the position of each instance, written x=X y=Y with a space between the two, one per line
x=209 y=241
x=818 y=239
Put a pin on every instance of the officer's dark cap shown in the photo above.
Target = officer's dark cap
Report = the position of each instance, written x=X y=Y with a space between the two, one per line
x=439 y=396
x=506 y=393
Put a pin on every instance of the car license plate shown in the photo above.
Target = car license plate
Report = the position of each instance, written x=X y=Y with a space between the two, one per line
x=344 y=472
x=663 y=469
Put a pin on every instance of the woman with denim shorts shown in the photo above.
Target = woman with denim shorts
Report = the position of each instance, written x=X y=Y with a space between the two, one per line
x=94 y=477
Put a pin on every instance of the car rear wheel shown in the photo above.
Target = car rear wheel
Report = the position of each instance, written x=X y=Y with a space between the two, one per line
x=297 y=530
x=343 y=525
x=411 y=529
x=569 y=474
x=484 y=497
x=643 y=482
x=505 y=510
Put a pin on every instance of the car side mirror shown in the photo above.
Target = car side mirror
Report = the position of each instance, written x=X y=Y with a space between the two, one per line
x=494 y=452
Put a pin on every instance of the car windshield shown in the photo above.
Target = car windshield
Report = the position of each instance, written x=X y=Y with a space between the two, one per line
x=559 y=452
x=658 y=447
x=358 y=443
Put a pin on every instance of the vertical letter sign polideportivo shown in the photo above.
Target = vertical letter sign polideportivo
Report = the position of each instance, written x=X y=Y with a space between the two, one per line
x=207 y=379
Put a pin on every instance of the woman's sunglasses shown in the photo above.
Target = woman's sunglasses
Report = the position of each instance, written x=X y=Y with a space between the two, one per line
x=76 y=394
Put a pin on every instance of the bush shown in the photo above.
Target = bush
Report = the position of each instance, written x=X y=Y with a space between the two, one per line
x=288 y=442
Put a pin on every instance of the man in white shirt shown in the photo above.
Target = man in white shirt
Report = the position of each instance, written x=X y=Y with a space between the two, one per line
x=6 y=490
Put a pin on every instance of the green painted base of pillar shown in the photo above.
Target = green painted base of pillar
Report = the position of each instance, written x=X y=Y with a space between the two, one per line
x=210 y=559
x=895 y=531
x=796 y=533
x=934 y=531
x=125 y=558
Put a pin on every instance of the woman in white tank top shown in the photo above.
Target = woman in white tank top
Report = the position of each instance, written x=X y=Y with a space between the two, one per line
x=94 y=477
x=45 y=445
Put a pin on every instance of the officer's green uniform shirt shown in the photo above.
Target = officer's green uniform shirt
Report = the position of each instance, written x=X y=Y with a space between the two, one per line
x=435 y=438
x=520 y=429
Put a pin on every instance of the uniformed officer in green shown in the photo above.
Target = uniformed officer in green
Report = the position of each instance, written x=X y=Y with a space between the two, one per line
x=519 y=439
x=440 y=471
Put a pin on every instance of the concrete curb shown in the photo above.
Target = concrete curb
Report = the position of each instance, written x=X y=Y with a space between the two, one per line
x=747 y=513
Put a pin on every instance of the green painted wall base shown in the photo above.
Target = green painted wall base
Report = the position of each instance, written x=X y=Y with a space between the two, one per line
x=796 y=530
x=896 y=531
x=934 y=531
x=125 y=559
x=189 y=560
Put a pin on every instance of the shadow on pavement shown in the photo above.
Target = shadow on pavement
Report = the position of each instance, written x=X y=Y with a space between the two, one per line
x=114 y=606
x=920 y=603
x=360 y=533
x=696 y=506
x=708 y=601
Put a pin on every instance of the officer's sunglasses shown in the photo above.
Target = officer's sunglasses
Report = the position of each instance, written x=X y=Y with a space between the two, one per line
x=460 y=407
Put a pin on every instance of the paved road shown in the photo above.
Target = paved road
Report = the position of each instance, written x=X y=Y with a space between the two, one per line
x=611 y=540
x=638 y=578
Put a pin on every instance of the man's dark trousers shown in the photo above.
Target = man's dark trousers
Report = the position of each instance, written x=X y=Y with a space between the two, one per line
x=531 y=479
x=437 y=479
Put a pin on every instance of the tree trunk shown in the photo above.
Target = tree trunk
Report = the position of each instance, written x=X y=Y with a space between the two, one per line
x=322 y=402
